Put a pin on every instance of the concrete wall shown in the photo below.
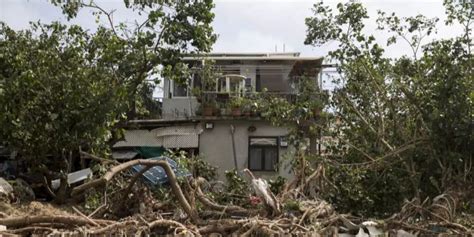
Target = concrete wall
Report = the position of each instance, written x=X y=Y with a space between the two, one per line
x=215 y=145
x=179 y=107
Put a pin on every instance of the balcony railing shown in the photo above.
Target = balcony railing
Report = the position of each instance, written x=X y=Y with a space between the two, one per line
x=225 y=104
x=226 y=97
x=222 y=104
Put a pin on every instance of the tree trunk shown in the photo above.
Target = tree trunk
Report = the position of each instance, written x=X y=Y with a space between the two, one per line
x=62 y=193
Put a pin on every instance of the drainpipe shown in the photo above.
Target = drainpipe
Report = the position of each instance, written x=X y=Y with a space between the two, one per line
x=232 y=130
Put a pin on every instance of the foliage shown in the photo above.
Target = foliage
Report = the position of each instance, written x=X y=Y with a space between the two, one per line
x=276 y=185
x=297 y=112
x=93 y=200
x=153 y=48
x=292 y=205
x=404 y=120
x=300 y=113
x=237 y=102
x=58 y=93
x=196 y=165
x=237 y=189
x=235 y=183
x=208 y=75
x=63 y=87
x=147 y=106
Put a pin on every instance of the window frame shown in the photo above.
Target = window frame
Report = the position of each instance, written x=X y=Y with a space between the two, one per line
x=275 y=169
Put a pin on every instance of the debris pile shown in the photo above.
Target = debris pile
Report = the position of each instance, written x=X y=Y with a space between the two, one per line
x=127 y=206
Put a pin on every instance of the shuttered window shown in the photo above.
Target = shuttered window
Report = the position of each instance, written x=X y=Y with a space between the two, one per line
x=263 y=153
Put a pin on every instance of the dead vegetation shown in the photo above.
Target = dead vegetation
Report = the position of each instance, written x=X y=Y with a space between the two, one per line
x=128 y=207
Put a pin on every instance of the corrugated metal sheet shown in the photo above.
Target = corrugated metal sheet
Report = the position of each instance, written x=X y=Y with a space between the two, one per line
x=156 y=175
x=168 y=137
x=179 y=136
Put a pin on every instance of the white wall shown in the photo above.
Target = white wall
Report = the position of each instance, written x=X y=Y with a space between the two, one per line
x=179 y=107
x=215 y=145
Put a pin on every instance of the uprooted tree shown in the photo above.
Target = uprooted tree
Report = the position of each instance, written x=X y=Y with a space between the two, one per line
x=63 y=87
x=405 y=125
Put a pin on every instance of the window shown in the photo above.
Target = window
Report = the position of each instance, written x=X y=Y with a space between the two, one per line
x=184 y=89
x=263 y=153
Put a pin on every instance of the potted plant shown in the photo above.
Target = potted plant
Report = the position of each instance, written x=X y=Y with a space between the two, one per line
x=225 y=109
x=217 y=110
x=208 y=108
x=247 y=107
x=236 y=105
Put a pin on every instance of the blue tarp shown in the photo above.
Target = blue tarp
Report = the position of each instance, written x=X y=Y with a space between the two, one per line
x=156 y=175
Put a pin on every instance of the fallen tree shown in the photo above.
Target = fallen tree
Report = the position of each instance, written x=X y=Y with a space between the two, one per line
x=300 y=216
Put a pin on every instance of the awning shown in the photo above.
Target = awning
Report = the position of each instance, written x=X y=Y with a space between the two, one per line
x=186 y=136
x=179 y=136
x=307 y=67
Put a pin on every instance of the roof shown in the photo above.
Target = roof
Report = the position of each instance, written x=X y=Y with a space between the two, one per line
x=290 y=56
x=246 y=54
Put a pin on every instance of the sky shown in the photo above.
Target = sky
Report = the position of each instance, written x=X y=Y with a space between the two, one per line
x=244 y=25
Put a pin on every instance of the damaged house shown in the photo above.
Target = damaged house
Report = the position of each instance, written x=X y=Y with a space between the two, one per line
x=226 y=135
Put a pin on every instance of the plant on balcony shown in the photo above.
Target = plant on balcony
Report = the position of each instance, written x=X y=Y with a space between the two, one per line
x=253 y=103
x=208 y=108
x=247 y=107
x=208 y=77
x=225 y=109
x=236 y=105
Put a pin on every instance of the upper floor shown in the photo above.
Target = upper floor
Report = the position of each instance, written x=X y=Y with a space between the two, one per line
x=241 y=75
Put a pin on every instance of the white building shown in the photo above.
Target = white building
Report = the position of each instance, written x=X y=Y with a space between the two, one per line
x=226 y=139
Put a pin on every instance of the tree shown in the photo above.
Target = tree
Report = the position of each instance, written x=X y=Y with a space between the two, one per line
x=58 y=93
x=405 y=120
x=302 y=115
x=63 y=88
x=154 y=48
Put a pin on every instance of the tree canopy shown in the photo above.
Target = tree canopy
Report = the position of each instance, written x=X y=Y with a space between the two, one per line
x=63 y=87
x=406 y=123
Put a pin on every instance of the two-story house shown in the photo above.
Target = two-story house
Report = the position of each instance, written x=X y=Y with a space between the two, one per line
x=225 y=139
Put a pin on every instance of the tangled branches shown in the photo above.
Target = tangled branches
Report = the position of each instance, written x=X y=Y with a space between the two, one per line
x=197 y=214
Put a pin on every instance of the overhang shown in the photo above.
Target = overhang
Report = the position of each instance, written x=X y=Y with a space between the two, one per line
x=167 y=137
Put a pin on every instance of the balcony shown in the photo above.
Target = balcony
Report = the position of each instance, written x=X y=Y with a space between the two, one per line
x=236 y=104
x=230 y=96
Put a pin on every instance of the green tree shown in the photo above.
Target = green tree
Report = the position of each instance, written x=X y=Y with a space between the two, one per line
x=58 y=94
x=302 y=114
x=405 y=120
x=154 y=47
x=63 y=87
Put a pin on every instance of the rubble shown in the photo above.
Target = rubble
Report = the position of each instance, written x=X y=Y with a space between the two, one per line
x=192 y=212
